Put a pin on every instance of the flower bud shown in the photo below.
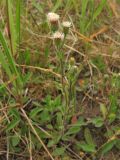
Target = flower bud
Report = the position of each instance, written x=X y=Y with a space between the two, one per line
x=72 y=61
x=73 y=71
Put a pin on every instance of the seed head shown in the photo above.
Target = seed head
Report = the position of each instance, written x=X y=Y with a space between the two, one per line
x=66 y=24
x=53 y=17
x=58 y=38
x=58 y=35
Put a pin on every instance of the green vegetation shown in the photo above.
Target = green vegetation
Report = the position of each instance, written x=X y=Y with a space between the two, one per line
x=59 y=80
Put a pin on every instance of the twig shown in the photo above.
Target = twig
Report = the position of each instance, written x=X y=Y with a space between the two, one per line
x=73 y=49
x=40 y=69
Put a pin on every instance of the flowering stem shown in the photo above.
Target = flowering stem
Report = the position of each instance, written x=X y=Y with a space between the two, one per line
x=65 y=96
x=62 y=75
x=62 y=72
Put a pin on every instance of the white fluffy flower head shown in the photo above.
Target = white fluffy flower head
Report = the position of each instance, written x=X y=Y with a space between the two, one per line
x=66 y=24
x=53 y=17
x=58 y=35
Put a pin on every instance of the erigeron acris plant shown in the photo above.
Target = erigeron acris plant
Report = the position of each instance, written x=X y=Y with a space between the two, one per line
x=68 y=80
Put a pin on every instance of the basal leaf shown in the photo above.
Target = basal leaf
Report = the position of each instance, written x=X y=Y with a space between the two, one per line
x=59 y=151
x=88 y=137
x=12 y=124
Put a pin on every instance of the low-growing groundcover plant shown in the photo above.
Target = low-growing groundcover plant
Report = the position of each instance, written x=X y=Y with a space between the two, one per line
x=59 y=80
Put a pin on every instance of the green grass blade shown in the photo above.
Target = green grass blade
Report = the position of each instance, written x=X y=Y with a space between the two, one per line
x=11 y=26
x=99 y=9
x=10 y=59
x=83 y=19
x=96 y=12
x=84 y=8
x=12 y=124
x=18 y=7
x=4 y=64
x=57 y=5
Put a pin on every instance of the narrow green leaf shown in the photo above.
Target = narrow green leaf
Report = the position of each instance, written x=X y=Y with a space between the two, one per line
x=84 y=7
x=35 y=111
x=15 y=113
x=15 y=140
x=12 y=124
x=59 y=151
x=88 y=137
x=86 y=147
x=99 y=9
x=73 y=130
x=10 y=59
x=103 y=110
x=38 y=6
x=113 y=103
x=11 y=26
x=18 y=7
x=54 y=141
x=57 y=5
x=107 y=146
x=5 y=65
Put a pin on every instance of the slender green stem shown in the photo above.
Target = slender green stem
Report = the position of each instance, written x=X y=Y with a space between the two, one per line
x=75 y=108
x=65 y=96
